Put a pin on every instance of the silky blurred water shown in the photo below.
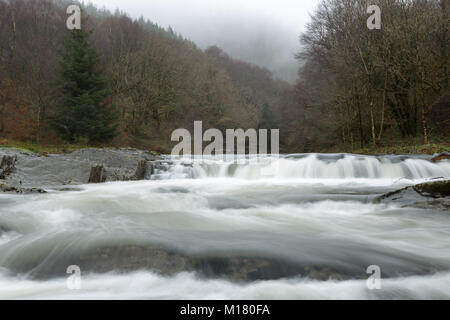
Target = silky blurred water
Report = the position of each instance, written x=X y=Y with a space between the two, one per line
x=312 y=210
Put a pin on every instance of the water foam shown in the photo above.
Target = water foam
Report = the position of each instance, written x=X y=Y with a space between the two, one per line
x=314 y=166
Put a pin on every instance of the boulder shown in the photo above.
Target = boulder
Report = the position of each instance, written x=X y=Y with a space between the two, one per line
x=141 y=170
x=438 y=189
x=440 y=157
x=168 y=262
x=7 y=165
x=434 y=195
x=29 y=170
x=97 y=175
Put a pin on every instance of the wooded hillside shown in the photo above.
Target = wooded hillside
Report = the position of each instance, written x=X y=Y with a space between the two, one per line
x=158 y=81
x=367 y=87
x=357 y=87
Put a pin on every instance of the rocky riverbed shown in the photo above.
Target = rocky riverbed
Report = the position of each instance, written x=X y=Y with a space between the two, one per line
x=305 y=222
x=27 y=172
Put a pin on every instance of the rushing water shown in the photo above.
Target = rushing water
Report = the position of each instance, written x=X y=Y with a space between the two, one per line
x=311 y=216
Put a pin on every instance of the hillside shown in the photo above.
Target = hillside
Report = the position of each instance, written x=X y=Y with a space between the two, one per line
x=158 y=81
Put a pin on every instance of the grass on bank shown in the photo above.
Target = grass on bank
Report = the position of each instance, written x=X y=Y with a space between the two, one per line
x=44 y=149
x=405 y=149
x=29 y=146
x=378 y=150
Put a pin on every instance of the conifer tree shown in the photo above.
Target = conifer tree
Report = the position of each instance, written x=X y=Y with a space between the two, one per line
x=83 y=112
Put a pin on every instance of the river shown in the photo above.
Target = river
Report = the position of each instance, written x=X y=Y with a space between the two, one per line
x=294 y=227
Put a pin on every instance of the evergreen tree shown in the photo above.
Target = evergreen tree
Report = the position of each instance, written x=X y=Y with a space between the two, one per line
x=267 y=118
x=83 y=112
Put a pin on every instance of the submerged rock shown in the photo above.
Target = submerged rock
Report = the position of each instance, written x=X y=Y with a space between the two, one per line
x=3 y=230
x=168 y=262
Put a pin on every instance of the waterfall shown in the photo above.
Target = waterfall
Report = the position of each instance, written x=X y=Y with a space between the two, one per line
x=294 y=226
x=312 y=166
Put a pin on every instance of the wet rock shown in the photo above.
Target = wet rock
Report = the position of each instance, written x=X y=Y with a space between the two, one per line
x=119 y=258
x=426 y=195
x=249 y=269
x=7 y=165
x=141 y=170
x=4 y=229
x=11 y=189
x=173 y=190
x=168 y=262
x=97 y=175
x=393 y=196
x=36 y=171
x=150 y=170
x=69 y=189
x=438 y=189
x=440 y=157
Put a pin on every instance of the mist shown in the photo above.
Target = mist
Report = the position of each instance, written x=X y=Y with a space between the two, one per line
x=263 y=32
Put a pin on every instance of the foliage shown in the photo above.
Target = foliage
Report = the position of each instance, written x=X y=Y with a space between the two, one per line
x=40 y=148
x=83 y=111
x=157 y=80
x=357 y=88
x=365 y=86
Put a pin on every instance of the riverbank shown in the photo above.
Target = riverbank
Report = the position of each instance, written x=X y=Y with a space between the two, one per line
x=429 y=149
x=43 y=149
x=28 y=146
x=23 y=171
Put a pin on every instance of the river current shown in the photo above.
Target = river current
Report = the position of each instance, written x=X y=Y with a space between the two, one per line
x=310 y=221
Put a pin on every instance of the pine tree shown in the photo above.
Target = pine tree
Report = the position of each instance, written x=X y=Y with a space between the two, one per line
x=83 y=112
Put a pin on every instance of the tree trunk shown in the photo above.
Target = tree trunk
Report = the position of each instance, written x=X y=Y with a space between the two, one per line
x=424 y=113
x=444 y=5
x=352 y=140
x=383 y=106
x=361 y=130
x=424 y=126
x=372 y=120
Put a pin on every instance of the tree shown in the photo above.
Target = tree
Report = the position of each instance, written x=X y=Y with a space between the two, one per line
x=377 y=83
x=83 y=112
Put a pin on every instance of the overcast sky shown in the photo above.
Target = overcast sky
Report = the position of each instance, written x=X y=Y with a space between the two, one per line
x=263 y=32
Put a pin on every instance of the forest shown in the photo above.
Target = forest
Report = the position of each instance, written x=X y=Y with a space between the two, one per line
x=356 y=88
x=362 y=87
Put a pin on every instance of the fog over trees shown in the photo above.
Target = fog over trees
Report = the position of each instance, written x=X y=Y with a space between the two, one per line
x=354 y=87
x=263 y=32
x=158 y=80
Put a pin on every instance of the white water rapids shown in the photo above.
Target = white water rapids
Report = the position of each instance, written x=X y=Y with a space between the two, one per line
x=305 y=211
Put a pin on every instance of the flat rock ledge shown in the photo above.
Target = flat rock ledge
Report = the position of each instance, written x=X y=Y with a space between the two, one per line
x=27 y=172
